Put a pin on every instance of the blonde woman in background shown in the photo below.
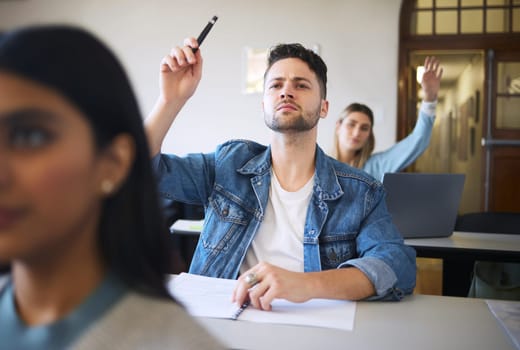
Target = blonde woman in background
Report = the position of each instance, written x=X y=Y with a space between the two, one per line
x=354 y=137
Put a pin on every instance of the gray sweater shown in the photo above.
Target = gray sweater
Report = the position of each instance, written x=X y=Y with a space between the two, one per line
x=140 y=322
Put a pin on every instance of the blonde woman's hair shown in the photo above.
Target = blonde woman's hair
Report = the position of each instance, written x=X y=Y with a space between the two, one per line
x=365 y=152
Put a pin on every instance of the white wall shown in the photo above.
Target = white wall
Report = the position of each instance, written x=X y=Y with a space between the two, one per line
x=358 y=40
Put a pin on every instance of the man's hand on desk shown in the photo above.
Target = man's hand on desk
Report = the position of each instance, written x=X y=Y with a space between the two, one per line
x=265 y=282
x=271 y=283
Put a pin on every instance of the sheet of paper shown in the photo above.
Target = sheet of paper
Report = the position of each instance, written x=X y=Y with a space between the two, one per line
x=211 y=297
x=508 y=315
x=204 y=296
x=183 y=226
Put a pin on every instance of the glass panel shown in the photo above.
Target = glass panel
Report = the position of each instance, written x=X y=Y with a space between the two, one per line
x=497 y=2
x=497 y=21
x=421 y=4
x=446 y=22
x=424 y=23
x=508 y=113
x=466 y=3
x=508 y=77
x=256 y=63
x=516 y=20
x=471 y=21
x=446 y=3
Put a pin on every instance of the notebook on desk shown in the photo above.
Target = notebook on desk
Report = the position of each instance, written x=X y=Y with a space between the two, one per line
x=423 y=205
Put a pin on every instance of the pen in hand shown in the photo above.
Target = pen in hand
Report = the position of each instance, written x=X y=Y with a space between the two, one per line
x=240 y=310
x=252 y=280
x=205 y=32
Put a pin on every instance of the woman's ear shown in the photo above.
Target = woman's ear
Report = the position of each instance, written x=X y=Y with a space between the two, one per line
x=116 y=161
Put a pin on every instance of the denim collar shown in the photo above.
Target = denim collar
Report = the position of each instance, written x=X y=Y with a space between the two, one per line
x=326 y=183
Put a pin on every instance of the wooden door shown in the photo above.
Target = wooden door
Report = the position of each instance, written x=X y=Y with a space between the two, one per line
x=502 y=132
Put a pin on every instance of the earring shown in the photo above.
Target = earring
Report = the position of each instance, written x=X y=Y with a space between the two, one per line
x=107 y=186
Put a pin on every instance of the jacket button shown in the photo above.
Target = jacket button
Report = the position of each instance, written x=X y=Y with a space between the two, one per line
x=225 y=212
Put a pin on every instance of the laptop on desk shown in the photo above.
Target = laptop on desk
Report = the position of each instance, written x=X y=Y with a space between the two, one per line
x=423 y=205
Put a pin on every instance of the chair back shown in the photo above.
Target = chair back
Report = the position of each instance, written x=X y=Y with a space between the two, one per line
x=493 y=280
x=489 y=222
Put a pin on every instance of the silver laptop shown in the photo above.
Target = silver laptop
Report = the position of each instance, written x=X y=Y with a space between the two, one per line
x=423 y=205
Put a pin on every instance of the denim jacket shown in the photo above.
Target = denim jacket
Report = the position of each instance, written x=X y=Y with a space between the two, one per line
x=347 y=222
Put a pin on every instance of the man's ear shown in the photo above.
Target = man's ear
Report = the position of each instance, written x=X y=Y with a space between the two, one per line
x=324 y=108
x=116 y=161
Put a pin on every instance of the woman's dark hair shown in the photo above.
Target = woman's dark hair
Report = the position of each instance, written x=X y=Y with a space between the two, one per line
x=314 y=61
x=132 y=235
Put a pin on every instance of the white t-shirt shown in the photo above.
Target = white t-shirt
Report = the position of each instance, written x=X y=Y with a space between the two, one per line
x=279 y=240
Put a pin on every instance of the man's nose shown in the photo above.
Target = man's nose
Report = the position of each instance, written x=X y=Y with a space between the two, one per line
x=286 y=93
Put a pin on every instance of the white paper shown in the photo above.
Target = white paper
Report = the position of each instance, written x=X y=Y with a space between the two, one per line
x=183 y=226
x=508 y=315
x=204 y=296
x=211 y=297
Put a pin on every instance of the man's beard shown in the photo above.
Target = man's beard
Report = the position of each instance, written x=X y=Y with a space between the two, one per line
x=303 y=122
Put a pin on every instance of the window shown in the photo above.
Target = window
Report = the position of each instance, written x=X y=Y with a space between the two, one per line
x=453 y=17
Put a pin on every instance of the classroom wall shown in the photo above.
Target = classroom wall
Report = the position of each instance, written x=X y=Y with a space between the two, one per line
x=357 y=39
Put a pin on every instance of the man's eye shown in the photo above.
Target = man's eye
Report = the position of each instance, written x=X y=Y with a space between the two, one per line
x=275 y=86
x=29 y=137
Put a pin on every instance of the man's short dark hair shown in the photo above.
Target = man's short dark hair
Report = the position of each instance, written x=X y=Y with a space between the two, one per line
x=314 y=61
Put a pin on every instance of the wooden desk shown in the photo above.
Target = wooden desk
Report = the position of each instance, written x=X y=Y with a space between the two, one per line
x=416 y=322
x=459 y=252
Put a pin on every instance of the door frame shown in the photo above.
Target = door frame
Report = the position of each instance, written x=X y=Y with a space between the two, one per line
x=406 y=107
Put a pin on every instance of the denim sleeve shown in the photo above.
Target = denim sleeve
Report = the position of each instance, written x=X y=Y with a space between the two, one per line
x=382 y=254
x=187 y=179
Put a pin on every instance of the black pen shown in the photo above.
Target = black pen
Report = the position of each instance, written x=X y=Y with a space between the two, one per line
x=205 y=32
x=240 y=310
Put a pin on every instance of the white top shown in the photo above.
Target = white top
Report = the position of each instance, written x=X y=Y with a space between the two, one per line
x=279 y=239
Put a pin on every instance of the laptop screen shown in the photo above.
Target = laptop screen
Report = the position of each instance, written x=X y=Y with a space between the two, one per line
x=423 y=205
